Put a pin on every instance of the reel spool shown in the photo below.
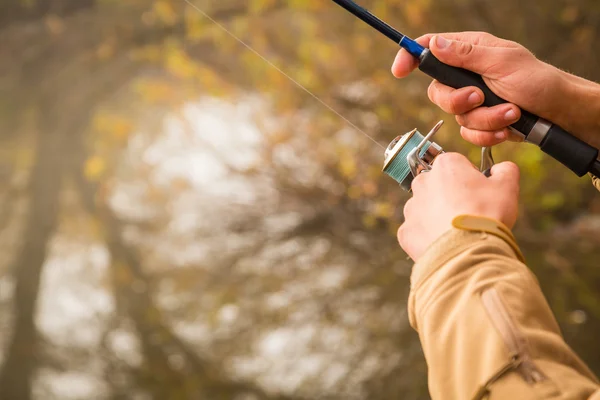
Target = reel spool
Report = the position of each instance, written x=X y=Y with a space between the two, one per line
x=412 y=153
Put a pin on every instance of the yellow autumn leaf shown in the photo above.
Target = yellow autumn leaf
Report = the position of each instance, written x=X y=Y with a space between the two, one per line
x=383 y=210
x=369 y=221
x=208 y=77
x=147 y=53
x=354 y=192
x=256 y=6
x=122 y=128
x=115 y=126
x=94 y=168
x=195 y=26
x=347 y=167
x=155 y=91
x=180 y=64
x=165 y=12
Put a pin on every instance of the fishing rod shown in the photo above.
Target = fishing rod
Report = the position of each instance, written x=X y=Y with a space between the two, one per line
x=575 y=154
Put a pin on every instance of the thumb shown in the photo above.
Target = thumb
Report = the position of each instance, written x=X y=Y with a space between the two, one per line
x=506 y=173
x=473 y=57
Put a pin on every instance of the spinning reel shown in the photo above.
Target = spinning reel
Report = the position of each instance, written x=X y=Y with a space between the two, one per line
x=410 y=154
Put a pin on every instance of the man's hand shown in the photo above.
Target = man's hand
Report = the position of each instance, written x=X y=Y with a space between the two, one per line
x=455 y=187
x=515 y=74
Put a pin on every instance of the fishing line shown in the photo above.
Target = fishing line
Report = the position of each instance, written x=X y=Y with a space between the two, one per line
x=222 y=27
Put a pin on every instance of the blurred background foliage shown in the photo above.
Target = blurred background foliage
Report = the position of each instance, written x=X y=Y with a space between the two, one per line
x=180 y=221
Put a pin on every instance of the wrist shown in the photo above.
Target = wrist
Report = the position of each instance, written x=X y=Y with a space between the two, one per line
x=579 y=107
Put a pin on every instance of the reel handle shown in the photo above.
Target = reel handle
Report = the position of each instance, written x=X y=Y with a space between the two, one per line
x=487 y=161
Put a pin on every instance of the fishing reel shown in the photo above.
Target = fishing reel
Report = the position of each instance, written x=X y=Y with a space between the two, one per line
x=410 y=154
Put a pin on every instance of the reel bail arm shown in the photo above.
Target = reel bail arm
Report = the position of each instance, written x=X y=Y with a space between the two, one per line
x=410 y=154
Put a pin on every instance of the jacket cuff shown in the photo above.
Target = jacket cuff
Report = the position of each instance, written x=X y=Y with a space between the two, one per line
x=467 y=231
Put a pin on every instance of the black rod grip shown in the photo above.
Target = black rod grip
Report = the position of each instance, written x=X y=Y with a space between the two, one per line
x=569 y=150
x=575 y=154
x=459 y=78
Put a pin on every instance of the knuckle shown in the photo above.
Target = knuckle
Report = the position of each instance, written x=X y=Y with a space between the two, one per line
x=450 y=162
x=512 y=44
x=406 y=210
x=465 y=132
x=454 y=104
x=491 y=121
x=480 y=119
x=513 y=169
x=462 y=120
x=509 y=174
x=471 y=136
x=446 y=159
x=441 y=160
x=401 y=234
x=485 y=35
x=465 y=49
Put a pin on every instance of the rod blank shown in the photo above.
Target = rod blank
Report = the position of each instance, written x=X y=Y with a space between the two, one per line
x=370 y=19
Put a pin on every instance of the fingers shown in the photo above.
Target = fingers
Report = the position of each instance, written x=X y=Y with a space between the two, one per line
x=478 y=38
x=484 y=138
x=401 y=235
x=483 y=126
x=452 y=162
x=490 y=118
x=489 y=138
x=407 y=208
x=455 y=101
x=463 y=42
x=506 y=173
x=417 y=183
x=465 y=54
x=404 y=63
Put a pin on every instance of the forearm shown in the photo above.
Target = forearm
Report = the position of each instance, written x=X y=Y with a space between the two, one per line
x=578 y=109
x=476 y=306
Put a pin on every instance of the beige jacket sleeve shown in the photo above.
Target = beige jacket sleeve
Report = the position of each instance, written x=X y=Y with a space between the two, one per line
x=484 y=324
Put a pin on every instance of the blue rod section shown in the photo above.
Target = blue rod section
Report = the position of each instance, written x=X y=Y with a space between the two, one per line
x=414 y=48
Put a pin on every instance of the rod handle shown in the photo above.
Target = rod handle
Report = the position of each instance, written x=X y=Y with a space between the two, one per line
x=569 y=150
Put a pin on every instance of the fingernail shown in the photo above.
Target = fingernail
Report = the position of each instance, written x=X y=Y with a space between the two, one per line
x=500 y=135
x=510 y=115
x=474 y=98
x=441 y=43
